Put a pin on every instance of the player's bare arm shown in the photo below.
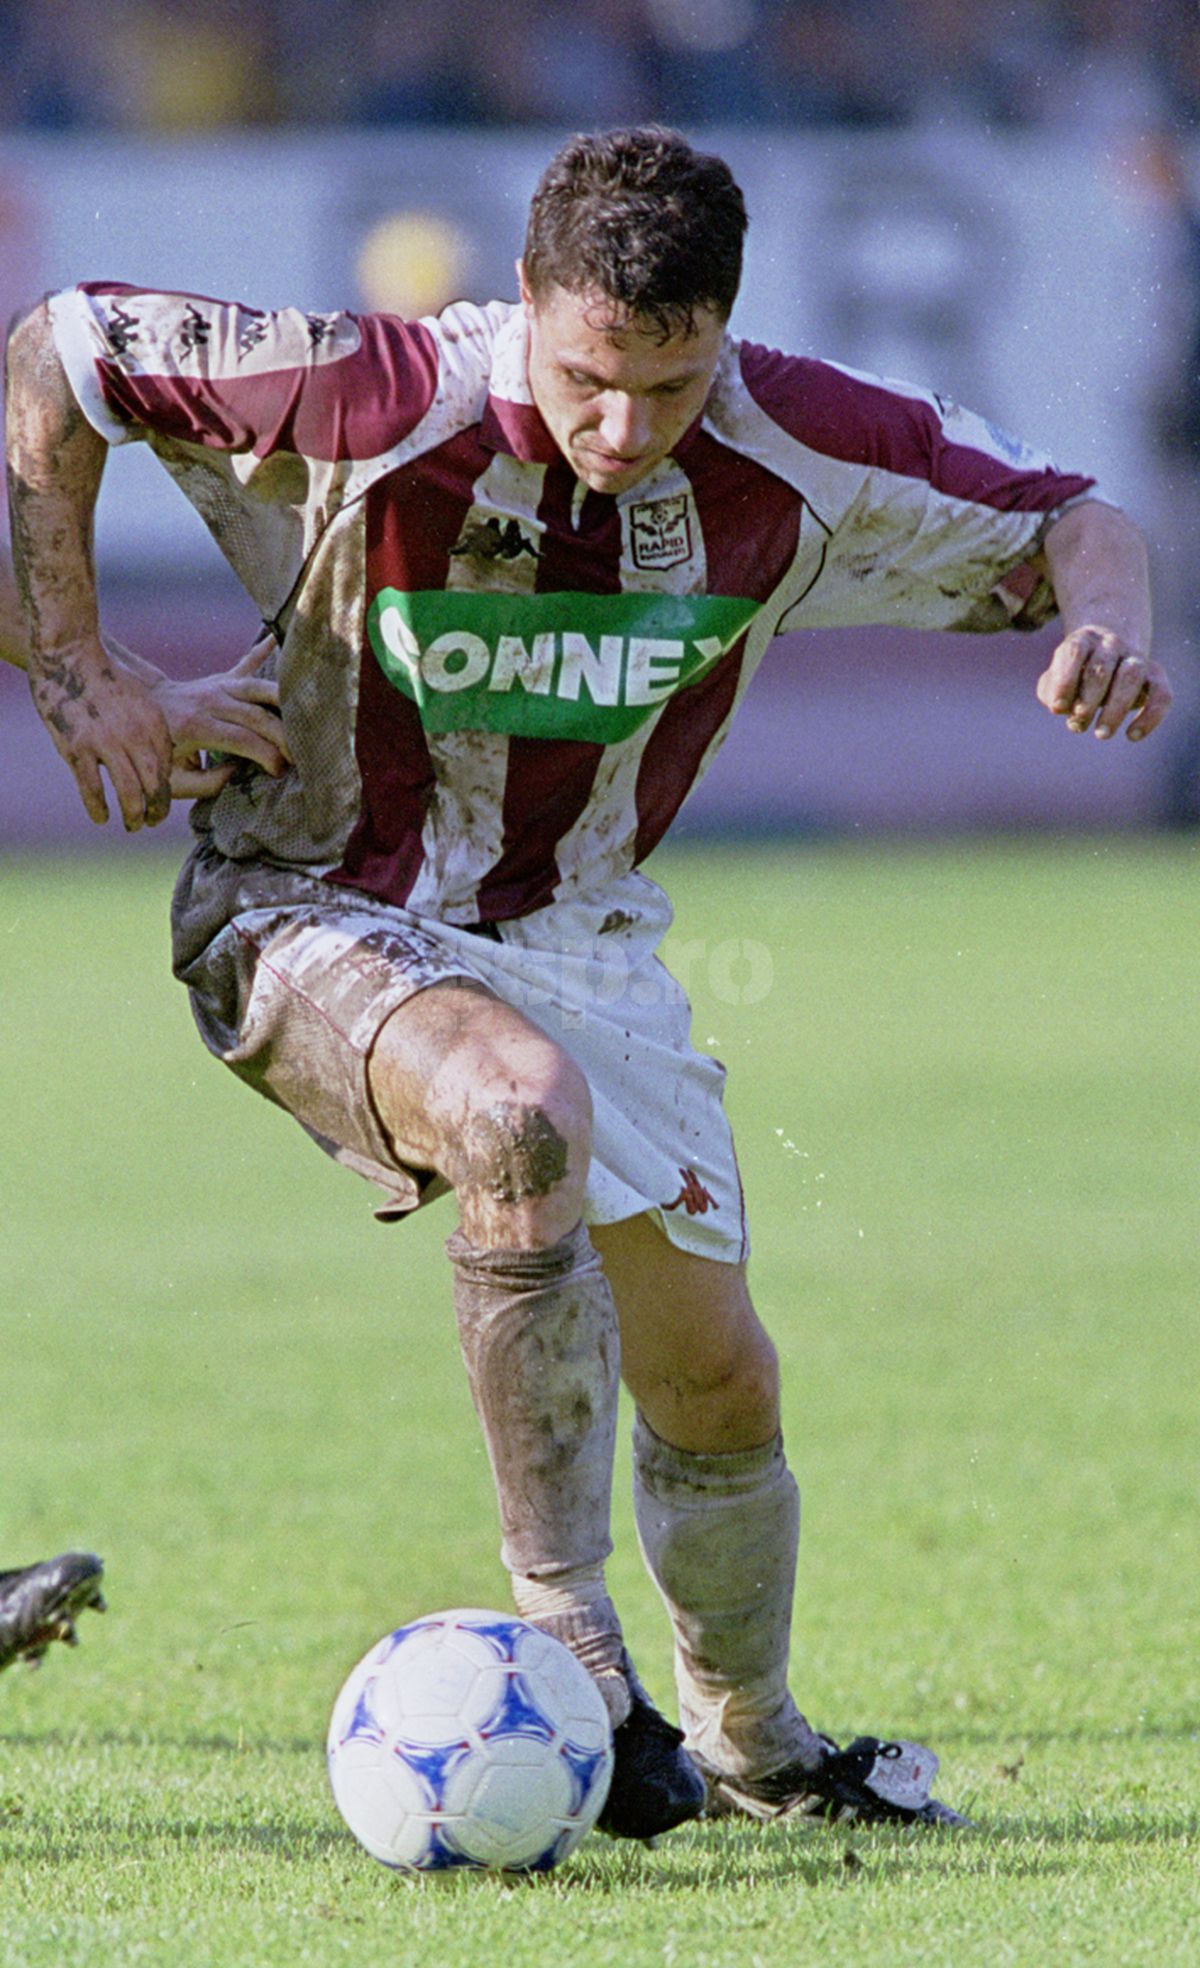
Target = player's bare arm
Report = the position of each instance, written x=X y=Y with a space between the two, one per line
x=234 y=712
x=14 y=645
x=99 y=716
x=1101 y=673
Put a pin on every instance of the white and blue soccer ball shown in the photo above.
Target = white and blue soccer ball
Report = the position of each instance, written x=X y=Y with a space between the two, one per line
x=469 y=1738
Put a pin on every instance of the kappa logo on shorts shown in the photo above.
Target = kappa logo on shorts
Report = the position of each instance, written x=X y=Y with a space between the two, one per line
x=695 y=1198
x=661 y=532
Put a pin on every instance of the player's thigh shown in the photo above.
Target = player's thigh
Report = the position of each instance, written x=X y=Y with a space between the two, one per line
x=694 y=1354
x=456 y=1074
x=376 y=1033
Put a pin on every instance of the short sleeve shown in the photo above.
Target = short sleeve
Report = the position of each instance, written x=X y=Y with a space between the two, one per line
x=332 y=387
x=269 y=421
x=933 y=514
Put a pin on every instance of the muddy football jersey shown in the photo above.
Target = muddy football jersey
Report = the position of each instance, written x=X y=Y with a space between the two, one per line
x=499 y=686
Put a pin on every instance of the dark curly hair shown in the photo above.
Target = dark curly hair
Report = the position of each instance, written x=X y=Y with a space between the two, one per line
x=642 y=218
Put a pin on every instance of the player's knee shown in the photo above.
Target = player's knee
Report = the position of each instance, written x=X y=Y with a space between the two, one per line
x=526 y=1138
x=725 y=1400
x=760 y=1382
x=747 y=1392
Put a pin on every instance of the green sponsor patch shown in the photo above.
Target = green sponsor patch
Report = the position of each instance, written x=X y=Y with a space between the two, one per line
x=548 y=665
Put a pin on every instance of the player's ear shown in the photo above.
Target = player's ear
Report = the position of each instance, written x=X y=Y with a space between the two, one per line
x=526 y=294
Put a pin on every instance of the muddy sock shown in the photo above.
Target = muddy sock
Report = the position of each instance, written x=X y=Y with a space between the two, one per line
x=719 y=1535
x=575 y=1607
x=538 y=1331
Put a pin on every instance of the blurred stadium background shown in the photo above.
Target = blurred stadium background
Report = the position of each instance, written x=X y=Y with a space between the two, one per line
x=1002 y=203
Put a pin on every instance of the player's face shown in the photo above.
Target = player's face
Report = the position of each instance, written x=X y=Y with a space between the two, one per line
x=615 y=398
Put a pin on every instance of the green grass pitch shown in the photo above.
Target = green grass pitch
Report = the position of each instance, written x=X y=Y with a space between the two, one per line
x=966 y=1091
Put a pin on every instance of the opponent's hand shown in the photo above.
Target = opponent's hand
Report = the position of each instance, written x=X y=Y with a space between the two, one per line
x=1096 y=677
x=235 y=712
x=102 y=718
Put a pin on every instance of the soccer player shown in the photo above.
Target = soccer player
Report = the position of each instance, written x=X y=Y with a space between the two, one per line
x=39 y=1603
x=521 y=561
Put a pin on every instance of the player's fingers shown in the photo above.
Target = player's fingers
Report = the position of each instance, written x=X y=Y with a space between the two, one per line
x=252 y=714
x=1125 y=691
x=150 y=754
x=224 y=711
x=1155 y=705
x=256 y=655
x=128 y=786
x=254 y=690
x=251 y=731
x=190 y=781
x=91 y=787
x=1094 y=683
x=264 y=743
x=1058 y=685
x=158 y=798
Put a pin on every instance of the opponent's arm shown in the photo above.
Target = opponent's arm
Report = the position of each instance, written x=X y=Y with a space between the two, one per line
x=1101 y=671
x=98 y=715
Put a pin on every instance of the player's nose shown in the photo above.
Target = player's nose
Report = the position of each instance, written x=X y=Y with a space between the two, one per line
x=624 y=425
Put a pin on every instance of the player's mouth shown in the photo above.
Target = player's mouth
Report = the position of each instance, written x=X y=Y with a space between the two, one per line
x=604 y=465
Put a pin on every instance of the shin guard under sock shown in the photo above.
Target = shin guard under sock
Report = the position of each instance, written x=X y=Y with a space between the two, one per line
x=719 y=1534
x=538 y=1331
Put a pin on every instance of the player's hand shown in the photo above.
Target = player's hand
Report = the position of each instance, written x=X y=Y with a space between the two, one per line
x=1095 y=677
x=235 y=712
x=103 y=719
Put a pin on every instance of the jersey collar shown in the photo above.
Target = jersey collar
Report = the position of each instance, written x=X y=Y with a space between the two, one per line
x=511 y=420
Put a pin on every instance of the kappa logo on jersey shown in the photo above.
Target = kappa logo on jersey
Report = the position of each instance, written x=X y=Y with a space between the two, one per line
x=195 y=331
x=592 y=667
x=488 y=540
x=661 y=532
x=121 y=330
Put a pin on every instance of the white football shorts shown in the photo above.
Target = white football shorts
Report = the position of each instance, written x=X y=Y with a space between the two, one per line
x=300 y=975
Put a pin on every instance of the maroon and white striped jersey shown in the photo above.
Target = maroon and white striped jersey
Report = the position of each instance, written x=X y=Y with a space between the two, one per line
x=498 y=685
